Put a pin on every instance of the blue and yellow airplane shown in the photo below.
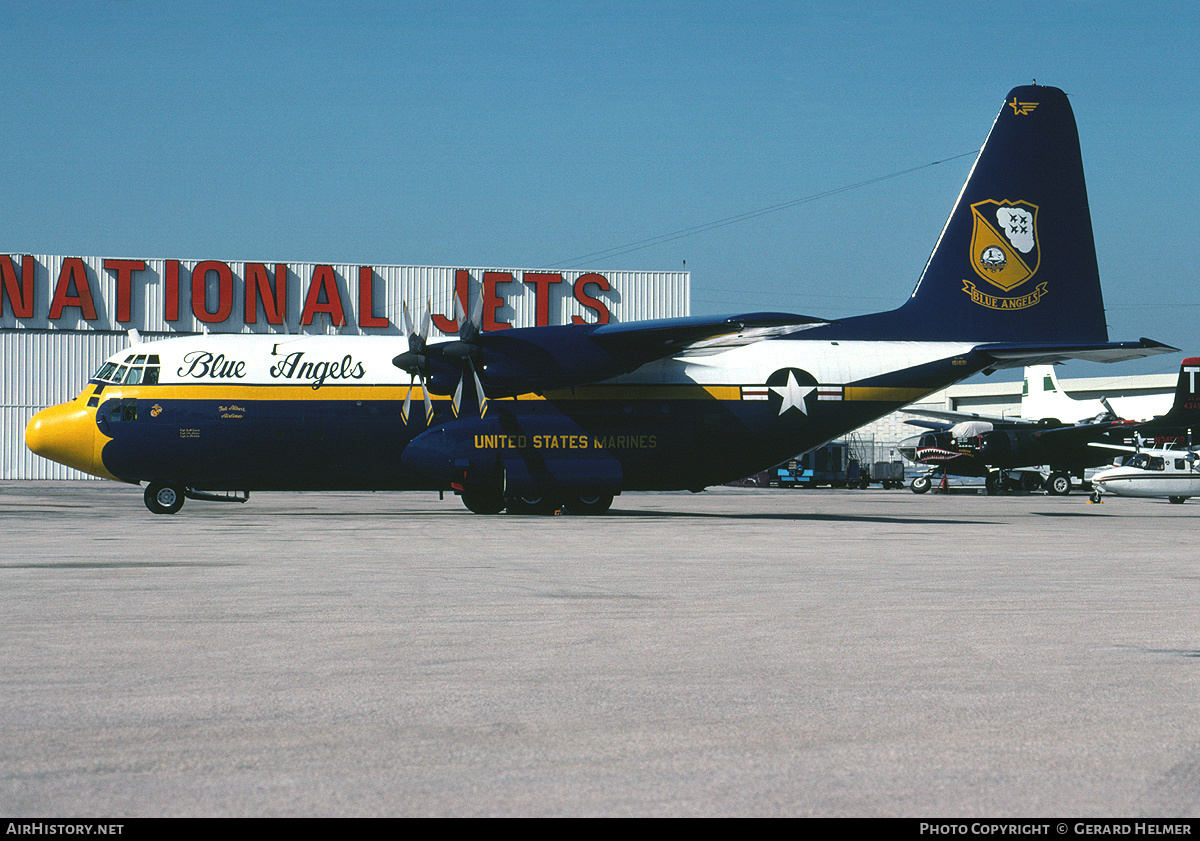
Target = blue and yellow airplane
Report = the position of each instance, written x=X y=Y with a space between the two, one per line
x=535 y=418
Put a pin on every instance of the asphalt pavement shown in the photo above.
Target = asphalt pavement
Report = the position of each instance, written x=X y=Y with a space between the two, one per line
x=737 y=652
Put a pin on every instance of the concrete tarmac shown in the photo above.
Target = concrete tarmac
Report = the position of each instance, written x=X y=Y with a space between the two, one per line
x=737 y=652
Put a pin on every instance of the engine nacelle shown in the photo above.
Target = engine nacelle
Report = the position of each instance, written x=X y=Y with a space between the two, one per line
x=537 y=457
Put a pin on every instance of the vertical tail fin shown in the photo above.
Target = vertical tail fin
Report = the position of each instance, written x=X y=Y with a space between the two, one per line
x=1016 y=261
x=1043 y=397
x=1185 y=411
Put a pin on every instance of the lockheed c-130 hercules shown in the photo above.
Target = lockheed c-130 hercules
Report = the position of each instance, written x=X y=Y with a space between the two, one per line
x=538 y=417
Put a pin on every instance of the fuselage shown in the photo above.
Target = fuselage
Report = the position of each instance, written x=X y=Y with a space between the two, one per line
x=1153 y=473
x=255 y=412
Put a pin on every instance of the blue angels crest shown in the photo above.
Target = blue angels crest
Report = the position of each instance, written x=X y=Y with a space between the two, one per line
x=1004 y=242
x=1005 y=252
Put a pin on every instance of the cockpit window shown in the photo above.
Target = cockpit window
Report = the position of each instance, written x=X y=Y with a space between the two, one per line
x=1147 y=462
x=106 y=371
x=139 y=368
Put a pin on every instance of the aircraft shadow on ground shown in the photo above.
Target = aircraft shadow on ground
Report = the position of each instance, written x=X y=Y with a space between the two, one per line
x=802 y=516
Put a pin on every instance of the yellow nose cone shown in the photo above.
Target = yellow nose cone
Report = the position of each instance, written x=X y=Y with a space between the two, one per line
x=67 y=434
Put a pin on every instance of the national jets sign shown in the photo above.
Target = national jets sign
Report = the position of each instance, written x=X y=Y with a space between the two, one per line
x=93 y=293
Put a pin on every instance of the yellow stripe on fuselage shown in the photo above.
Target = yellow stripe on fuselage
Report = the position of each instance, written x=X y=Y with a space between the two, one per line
x=648 y=392
x=248 y=392
x=885 y=395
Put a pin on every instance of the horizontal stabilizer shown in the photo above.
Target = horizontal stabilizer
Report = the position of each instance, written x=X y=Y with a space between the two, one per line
x=1017 y=355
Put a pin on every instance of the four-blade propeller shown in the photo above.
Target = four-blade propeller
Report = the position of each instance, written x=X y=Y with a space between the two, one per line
x=415 y=361
x=462 y=353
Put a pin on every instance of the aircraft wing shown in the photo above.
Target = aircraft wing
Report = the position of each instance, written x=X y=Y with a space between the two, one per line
x=549 y=358
x=927 y=424
x=1118 y=447
x=1017 y=355
x=1082 y=433
x=650 y=340
x=958 y=417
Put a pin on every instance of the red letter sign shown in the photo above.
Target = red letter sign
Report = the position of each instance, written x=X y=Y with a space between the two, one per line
x=224 y=291
x=588 y=301
x=73 y=270
x=20 y=294
x=366 y=299
x=125 y=270
x=323 y=281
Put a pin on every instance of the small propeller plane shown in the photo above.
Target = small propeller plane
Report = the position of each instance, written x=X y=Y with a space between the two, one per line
x=1168 y=472
x=1171 y=469
x=537 y=418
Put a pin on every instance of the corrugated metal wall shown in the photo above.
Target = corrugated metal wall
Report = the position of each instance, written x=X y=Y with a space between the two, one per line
x=42 y=368
x=47 y=361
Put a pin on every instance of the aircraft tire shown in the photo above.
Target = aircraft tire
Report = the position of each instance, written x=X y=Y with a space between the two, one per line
x=1059 y=484
x=532 y=505
x=991 y=483
x=1031 y=481
x=590 y=503
x=483 y=500
x=1177 y=500
x=163 y=498
x=920 y=485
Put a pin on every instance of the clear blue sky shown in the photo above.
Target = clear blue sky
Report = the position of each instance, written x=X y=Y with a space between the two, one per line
x=532 y=134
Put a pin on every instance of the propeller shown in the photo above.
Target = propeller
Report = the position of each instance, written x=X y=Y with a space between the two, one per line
x=1108 y=409
x=468 y=348
x=412 y=360
x=461 y=353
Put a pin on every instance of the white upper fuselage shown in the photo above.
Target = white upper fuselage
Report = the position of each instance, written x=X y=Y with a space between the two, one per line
x=1152 y=473
x=325 y=361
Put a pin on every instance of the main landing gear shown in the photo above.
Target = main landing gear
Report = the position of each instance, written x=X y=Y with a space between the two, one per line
x=583 y=504
x=483 y=501
x=1059 y=484
x=1003 y=481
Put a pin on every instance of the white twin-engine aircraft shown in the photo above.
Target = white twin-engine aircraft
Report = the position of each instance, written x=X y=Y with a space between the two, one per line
x=536 y=418
x=1171 y=470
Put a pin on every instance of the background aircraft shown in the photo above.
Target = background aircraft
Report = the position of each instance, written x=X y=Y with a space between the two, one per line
x=534 y=418
x=999 y=445
x=1169 y=466
x=1043 y=397
x=1170 y=472
x=1009 y=452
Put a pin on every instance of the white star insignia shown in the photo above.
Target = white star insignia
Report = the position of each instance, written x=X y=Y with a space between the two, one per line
x=793 y=394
